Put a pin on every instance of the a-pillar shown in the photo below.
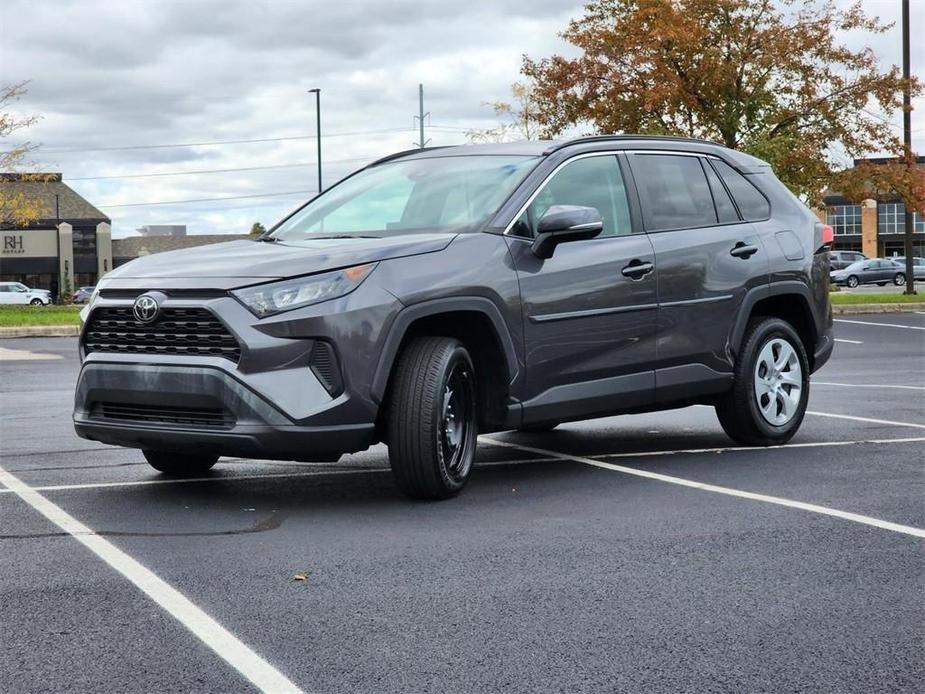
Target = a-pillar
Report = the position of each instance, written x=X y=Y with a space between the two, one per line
x=869 y=228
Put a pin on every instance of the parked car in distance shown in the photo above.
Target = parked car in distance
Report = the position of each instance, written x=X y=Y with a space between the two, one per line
x=839 y=260
x=442 y=293
x=18 y=293
x=82 y=295
x=879 y=271
x=918 y=266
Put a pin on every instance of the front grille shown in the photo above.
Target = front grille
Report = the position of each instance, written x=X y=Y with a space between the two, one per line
x=185 y=331
x=215 y=417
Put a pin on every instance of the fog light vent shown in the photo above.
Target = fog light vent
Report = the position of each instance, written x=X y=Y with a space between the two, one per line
x=324 y=366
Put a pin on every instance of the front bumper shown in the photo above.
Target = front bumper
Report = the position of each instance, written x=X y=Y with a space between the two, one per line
x=269 y=403
x=211 y=411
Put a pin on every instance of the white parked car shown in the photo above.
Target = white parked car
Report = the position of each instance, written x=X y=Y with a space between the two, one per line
x=18 y=293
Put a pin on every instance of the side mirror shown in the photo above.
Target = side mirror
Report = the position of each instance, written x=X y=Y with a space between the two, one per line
x=563 y=223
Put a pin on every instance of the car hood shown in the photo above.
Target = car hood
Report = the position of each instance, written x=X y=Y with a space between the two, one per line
x=254 y=260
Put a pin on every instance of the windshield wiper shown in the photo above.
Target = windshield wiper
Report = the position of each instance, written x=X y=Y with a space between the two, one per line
x=312 y=237
x=267 y=239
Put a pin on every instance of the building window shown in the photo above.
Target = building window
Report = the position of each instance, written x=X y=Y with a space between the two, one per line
x=845 y=219
x=891 y=219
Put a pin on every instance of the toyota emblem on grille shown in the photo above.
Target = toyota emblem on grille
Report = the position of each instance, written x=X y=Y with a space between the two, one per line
x=145 y=308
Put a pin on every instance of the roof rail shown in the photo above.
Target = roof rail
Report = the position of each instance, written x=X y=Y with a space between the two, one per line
x=607 y=138
x=405 y=152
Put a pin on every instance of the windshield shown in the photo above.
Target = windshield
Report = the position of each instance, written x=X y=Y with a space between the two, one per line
x=438 y=194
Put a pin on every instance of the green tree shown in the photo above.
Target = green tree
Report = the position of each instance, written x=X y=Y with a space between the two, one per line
x=769 y=78
x=257 y=229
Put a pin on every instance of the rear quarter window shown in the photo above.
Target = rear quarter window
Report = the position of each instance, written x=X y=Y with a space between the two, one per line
x=752 y=204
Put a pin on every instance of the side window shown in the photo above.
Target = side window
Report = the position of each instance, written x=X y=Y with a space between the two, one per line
x=752 y=204
x=725 y=210
x=674 y=191
x=589 y=182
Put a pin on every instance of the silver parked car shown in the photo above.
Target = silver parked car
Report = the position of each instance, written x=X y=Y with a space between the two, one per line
x=877 y=271
x=18 y=293
x=918 y=266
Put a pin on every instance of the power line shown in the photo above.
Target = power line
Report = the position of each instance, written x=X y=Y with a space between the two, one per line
x=211 y=171
x=221 y=142
x=230 y=197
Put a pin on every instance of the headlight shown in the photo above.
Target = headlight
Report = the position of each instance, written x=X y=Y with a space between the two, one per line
x=266 y=299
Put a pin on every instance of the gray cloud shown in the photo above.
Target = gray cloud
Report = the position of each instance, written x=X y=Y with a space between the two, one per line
x=108 y=73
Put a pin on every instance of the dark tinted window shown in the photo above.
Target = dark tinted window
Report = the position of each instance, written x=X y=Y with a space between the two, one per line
x=725 y=210
x=674 y=191
x=590 y=182
x=752 y=204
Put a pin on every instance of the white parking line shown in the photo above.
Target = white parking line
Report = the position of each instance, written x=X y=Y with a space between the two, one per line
x=733 y=449
x=865 y=419
x=225 y=644
x=728 y=491
x=850 y=342
x=882 y=325
x=865 y=385
x=185 y=480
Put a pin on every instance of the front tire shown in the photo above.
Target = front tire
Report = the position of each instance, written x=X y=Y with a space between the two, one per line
x=767 y=402
x=899 y=279
x=37 y=302
x=432 y=422
x=853 y=281
x=179 y=464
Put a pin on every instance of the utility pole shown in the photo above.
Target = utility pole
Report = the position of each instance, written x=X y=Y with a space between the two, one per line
x=907 y=141
x=422 y=143
x=317 y=93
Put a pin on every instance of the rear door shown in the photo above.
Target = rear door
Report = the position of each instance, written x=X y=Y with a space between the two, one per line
x=589 y=311
x=707 y=258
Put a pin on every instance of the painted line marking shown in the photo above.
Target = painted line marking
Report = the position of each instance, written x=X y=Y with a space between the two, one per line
x=733 y=449
x=882 y=325
x=727 y=491
x=487 y=463
x=850 y=342
x=8 y=354
x=865 y=385
x=234 y=478
x=225 y=644
x=865 y=419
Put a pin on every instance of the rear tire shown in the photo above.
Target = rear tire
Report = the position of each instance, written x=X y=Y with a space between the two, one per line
x=767 y=402
x=432 y=422
x=899 y=279
x=179 y=464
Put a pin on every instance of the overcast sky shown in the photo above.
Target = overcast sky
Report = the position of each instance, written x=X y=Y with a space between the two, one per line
x=121 y=73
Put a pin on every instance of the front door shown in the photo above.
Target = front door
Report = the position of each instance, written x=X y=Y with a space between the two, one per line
x=589 y=311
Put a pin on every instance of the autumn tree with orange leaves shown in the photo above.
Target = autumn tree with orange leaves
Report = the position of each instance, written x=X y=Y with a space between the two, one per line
x=768 y=78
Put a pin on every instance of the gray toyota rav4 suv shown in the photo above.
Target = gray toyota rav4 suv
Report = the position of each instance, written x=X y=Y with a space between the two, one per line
x=441 y=293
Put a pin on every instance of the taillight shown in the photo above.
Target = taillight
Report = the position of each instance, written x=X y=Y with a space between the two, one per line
x=828 y=236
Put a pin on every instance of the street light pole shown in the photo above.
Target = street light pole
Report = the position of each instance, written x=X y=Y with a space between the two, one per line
x=317 y=93
x=907 y=141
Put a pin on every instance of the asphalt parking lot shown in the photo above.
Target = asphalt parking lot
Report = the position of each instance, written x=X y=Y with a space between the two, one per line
x=640 y=553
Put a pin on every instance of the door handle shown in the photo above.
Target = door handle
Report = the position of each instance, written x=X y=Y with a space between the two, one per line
x=743 y=250
x=637 y=269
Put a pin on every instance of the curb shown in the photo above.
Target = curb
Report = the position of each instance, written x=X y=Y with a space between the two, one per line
x=849 y=309
x=40 y=331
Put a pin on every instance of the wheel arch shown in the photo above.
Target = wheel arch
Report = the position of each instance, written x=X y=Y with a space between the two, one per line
x=477 y=323
x=789 y=301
